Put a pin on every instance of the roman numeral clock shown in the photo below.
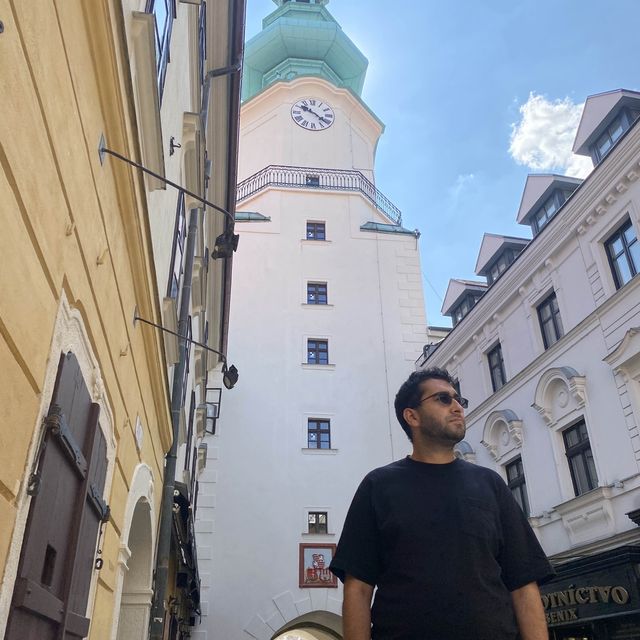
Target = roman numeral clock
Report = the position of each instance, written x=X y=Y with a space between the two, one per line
x=312 y=114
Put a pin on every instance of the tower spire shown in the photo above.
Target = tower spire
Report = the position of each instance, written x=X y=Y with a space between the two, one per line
x=301 y=39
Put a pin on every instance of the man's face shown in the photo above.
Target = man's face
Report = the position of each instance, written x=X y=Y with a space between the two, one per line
x=433 y=420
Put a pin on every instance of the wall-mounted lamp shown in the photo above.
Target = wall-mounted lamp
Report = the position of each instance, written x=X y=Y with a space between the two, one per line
x=229 y=376
x=226 y=244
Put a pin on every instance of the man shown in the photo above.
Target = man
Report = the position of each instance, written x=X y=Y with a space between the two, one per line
x=448 y=548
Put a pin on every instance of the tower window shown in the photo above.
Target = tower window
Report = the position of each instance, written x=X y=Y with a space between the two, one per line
x=317 y=521
x=316 y=293
x=317 y=351
x=316 y=231
x=318 y=435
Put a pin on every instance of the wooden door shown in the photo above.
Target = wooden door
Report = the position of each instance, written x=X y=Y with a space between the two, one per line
x=58 y=552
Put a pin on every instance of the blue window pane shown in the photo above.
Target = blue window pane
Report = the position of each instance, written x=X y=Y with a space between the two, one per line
x=617 y=246
x=630 y=235
x=616 y=130
x=622 y=267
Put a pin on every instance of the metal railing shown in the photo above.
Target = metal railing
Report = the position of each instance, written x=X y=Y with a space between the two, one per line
x=316 y=178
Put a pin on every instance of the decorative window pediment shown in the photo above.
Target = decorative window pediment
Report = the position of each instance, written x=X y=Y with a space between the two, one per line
x=502 y=434
x=626 y=356
x=561 y=391
x=464 y=451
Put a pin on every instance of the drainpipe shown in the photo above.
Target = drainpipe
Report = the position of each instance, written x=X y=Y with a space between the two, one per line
x=156 y=624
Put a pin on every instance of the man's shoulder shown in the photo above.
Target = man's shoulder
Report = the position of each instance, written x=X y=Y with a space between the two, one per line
x=388 y=470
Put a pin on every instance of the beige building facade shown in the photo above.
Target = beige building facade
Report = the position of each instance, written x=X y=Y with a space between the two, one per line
x=89 y=244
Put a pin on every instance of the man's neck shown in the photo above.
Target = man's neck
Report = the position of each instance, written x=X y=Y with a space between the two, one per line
x=432 y=454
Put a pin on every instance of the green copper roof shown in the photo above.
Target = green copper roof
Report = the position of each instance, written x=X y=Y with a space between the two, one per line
x=301 y=39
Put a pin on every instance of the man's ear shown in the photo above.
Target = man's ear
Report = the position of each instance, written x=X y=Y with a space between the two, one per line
x=411 y=417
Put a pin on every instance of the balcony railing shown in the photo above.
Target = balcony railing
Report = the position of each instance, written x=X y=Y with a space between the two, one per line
x=323 y=179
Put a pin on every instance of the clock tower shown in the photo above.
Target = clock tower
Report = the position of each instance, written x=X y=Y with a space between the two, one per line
x=327 y=320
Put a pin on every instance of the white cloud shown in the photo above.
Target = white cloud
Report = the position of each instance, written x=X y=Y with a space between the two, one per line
x=543 y=138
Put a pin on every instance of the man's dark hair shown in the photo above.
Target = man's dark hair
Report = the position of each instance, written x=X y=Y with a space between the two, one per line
x=408 y=395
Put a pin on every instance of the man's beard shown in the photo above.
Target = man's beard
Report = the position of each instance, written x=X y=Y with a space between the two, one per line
x=444 y=432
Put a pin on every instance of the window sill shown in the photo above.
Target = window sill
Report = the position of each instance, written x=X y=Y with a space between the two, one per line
x=318 y=242
x=316 y=306
x=322 y=452
x=321 y=367
x=306 y=534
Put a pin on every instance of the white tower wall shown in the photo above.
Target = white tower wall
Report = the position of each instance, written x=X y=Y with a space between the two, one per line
x=261 y=479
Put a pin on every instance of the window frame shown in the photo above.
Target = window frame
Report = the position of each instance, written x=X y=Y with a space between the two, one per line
x=315 y=229
x=314 y=345
x=496 y=349
x=319 y=294
x=557 y=198
x=626 y=118
x=318 y=430
x=319 y=515
x=579 y=451
x=554 y=320
x=619 y=233
x=518 y=484
x=461 y=310
x=177 y=250
x=162 y=40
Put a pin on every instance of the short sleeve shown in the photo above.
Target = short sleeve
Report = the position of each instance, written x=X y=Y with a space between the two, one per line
x=521 y=558
x=357 y=551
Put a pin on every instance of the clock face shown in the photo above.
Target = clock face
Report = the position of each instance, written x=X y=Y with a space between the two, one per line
x=312 y=114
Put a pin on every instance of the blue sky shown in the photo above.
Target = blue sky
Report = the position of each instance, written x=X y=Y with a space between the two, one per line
x=476 y=95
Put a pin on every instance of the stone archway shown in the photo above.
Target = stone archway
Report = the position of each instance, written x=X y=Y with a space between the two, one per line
x=316 y=625
x=135 y=603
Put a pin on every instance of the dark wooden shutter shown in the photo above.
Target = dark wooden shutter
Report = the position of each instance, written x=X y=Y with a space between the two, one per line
x=58 y=552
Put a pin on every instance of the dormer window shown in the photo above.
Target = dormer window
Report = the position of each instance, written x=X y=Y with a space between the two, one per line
x=612 y=133
x=549 y=209
x=461 y=310
x=504 y=261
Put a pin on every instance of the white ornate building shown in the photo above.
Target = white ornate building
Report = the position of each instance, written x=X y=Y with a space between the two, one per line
x=547 y=350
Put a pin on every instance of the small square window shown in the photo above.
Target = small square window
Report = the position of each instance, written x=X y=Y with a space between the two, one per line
x=312 y=181
x=316 y=293
x=316 y=231
x=318 y=433
x=317 y=351
x=317 y=521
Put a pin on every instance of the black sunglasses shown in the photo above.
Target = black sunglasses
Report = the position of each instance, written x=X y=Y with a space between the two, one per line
x=445 y=398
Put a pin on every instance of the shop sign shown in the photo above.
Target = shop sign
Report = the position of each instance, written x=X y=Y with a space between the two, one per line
x=590 y=596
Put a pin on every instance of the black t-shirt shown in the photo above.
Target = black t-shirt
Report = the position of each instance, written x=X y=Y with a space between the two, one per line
x=444 y=544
